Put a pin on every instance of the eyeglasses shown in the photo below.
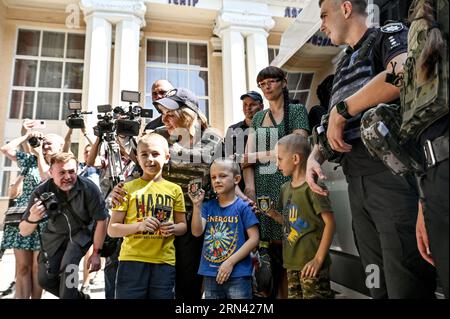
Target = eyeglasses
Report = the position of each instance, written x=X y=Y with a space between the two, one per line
x=159 y=93
x=268 y=82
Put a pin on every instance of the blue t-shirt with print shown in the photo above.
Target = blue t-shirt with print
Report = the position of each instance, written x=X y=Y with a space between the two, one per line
x=225 y=233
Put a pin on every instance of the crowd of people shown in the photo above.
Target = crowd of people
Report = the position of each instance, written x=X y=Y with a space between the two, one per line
x=198 y=214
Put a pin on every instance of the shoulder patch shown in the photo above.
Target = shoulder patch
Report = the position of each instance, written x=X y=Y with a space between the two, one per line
x=393 y=27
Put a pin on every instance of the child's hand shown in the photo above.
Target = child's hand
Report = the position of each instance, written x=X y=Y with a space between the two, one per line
x=152 y=224
x=167 y=229
x=197 y=200
x=311 y=269
x=224 y=272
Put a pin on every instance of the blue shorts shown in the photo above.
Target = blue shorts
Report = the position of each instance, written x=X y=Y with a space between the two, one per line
x=139 y=280
x=233 y=288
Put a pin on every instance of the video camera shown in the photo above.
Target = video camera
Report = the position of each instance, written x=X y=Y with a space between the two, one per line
x=128 y=123
x=125 y=123
x=106 y=124
x=75 y=120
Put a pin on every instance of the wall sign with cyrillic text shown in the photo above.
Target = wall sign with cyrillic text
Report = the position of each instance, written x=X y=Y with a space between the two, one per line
x=292 y=12
x=191 y=3
x=321 y=41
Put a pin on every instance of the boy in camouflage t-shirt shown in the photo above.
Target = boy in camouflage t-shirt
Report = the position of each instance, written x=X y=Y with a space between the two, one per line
x=308 y=224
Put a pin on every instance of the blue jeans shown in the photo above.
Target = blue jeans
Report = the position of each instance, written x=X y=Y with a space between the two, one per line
x=233 y=288
x=139 y=280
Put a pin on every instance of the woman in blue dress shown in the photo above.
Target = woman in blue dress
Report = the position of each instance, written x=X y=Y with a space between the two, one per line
x=26 y=248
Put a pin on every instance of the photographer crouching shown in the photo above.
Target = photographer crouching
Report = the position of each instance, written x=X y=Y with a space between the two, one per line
x=77 y=215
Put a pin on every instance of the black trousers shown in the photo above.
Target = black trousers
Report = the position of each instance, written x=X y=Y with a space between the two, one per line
x=435 y=188
x=384 y=210
x=60 y=277
x=188 y=250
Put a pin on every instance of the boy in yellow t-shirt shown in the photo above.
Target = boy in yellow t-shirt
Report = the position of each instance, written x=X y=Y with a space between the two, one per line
x=152 y=214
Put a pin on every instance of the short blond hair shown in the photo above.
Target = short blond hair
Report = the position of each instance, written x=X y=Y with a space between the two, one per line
x=62 y=158
x=154 y=137
x=296 y=144
x=232 y=165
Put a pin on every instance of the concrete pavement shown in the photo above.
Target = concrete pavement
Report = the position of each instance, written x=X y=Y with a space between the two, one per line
x=7 y=271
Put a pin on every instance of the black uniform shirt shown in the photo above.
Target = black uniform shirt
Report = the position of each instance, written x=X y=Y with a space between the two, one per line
x=85 y=201
x=386 y=46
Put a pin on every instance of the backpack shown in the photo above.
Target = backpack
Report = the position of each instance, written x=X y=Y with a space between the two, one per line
x=424 y=95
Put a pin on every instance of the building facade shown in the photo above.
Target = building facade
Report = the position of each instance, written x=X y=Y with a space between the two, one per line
x=89 y=50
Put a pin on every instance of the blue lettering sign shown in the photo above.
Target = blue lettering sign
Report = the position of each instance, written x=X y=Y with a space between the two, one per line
x=320 y=41
x=191 y=3
x=291 y=12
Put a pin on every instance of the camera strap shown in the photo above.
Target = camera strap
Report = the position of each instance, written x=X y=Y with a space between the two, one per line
x=74 y=215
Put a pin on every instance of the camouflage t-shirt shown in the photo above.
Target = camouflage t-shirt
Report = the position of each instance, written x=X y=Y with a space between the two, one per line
x=188 y=164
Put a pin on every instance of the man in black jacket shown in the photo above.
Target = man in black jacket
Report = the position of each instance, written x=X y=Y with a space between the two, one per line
x=71 y=214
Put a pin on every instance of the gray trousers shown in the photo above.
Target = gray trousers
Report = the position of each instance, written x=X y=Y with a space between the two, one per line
x=384 y=210
x=58 y=275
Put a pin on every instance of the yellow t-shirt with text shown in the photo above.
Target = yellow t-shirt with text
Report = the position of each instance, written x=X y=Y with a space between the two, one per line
x=145 y=199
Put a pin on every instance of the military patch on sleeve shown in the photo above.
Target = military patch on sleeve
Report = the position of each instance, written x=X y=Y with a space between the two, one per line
x=393 y=27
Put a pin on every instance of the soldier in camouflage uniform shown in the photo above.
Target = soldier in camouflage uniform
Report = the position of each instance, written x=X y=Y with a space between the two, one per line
x=383 y=205
x=431 y=109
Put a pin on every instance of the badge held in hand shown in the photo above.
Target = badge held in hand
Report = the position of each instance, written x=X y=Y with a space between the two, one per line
x=162 y=213
x=264 y=204
x=195 y=187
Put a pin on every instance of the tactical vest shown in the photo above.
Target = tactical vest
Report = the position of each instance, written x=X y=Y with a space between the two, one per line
x=352 y=77
x=423 y=101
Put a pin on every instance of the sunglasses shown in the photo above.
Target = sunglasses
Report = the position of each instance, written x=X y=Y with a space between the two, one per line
x=159 y=93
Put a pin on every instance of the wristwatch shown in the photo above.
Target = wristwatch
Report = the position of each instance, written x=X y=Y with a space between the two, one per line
x=342 y=109
x=97 y=251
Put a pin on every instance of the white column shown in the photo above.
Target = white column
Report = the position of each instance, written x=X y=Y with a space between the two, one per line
x=234 y=77
x=238 y=20
x=97 y=61
x=257 y=57
x=126 y=58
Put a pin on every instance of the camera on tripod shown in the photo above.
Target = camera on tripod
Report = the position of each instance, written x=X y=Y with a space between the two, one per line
x=50 y=203
x=75 y=120
x=106 y=124
x=128 y=123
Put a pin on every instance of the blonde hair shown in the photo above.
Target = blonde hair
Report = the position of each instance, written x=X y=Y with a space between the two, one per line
x=296 y=144
x=188 y=117
x=154 y=137
x=232 y=165
x=55 y=138
x=62 y=158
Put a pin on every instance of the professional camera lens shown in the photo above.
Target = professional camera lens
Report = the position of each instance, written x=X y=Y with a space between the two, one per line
x=34 y=141
x=50 y=201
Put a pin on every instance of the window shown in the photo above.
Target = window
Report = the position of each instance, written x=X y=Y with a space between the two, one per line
x=184 y=64
x=10 y=172
x=299 y=83
x=48 y=72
